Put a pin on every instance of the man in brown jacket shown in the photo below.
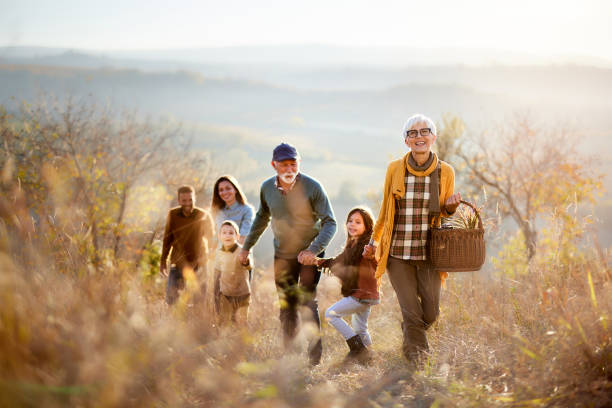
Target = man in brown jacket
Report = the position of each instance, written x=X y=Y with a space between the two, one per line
x=188 y=230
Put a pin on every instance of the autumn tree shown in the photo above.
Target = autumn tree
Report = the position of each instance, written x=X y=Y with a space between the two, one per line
x=81 y=164
x=530 y=172
x=451 y=131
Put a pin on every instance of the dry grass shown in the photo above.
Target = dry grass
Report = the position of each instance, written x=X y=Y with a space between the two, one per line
x=109 y=340
x=105 y=338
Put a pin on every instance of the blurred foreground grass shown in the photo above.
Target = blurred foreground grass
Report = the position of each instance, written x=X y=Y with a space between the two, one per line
x=108 y=340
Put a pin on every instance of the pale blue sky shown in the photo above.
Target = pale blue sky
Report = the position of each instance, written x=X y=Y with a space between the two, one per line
x=544 y=27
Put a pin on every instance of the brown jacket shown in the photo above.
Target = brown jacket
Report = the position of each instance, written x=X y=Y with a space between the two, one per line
x=187 y=237
x=357 y=281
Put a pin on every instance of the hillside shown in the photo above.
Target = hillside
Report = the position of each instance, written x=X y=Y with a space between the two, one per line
x=340 y=117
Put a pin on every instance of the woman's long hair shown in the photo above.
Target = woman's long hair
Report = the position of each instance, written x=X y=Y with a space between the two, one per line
x=217 y=203
x=353 y=250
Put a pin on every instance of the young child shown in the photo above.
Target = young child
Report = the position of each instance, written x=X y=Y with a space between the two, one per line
x=235 y=287
x=359 y=285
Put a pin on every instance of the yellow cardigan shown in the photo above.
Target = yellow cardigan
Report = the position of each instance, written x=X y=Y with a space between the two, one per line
x=395 y=188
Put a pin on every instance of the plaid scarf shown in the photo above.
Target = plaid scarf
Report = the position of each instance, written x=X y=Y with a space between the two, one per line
x=429 y=167
x=411 y=220
x=414 y=211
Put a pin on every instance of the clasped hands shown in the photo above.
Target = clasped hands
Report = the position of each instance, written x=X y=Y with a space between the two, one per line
x=307 y=258
x=304 y=257
x=243 y=256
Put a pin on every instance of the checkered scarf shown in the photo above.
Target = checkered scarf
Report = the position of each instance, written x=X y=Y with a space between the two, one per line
x=413 y=213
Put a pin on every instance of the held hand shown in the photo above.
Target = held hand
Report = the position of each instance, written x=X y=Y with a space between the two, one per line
x=243 y=256
x=369 y=251
x=306 y=258
x=163 y=270
x=452 y=203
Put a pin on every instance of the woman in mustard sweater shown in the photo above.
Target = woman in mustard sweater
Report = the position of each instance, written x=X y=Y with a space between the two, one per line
x=419 y=190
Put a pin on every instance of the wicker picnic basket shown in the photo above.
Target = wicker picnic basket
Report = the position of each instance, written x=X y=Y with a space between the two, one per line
x=457 y=249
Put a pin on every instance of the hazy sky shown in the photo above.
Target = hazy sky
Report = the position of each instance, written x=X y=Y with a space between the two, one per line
x=541 y=27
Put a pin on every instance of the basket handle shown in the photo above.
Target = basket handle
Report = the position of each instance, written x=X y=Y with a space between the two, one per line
x=475 y=212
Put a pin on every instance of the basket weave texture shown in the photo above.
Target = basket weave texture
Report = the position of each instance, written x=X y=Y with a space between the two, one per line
x=457 y=249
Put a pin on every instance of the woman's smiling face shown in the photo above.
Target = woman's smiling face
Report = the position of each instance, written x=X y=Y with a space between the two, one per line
x=420 y=143
x=227 y=192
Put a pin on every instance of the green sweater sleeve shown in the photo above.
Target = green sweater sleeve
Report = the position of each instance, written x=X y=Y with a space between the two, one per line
x=323 y=211
x=260 y=223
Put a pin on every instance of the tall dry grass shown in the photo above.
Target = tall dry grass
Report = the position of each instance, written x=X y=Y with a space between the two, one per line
x=107 y=339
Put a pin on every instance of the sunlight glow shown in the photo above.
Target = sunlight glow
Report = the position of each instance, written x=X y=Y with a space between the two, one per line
x=539 y=27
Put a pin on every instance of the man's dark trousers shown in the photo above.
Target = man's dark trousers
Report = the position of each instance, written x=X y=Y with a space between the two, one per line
x=176 y=283
x=296 y=285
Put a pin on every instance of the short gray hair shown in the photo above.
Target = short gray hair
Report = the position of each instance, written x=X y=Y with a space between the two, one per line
x=418 y=118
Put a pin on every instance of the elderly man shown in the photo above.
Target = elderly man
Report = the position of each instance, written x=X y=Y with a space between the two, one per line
x=303 y=224
x=418 y=192
x=187 y=233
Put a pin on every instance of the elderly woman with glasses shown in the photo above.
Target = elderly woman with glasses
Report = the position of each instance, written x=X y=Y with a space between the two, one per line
x=419 y=190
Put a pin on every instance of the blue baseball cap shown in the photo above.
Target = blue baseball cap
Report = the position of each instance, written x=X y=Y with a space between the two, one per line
x=285 y=151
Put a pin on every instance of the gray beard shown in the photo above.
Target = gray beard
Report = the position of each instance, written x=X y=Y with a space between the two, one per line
x=284 y=177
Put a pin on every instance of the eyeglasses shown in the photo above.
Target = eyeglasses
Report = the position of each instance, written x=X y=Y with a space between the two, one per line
x=414 y=133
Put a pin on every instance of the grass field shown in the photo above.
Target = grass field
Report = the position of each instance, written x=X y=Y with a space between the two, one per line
x=108 y=340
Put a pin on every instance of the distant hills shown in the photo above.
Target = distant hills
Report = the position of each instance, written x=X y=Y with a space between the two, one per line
x=326 y=106
x=320 y=55
x=343 y=108
x=351 y=109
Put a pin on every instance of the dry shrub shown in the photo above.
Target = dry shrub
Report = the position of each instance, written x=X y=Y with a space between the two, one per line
x=522 y=343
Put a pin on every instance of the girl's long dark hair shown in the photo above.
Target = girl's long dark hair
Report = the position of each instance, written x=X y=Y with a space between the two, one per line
x=353 y=250
x=217 y=202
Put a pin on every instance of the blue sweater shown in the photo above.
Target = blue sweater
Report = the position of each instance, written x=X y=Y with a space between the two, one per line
x=301 y=219
x=241 y=214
